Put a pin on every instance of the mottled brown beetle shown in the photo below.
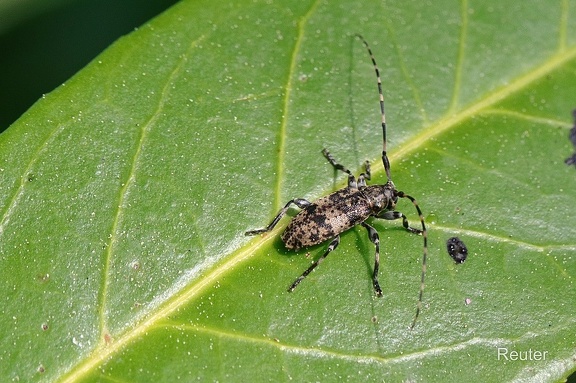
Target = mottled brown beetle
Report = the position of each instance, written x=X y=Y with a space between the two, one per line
x=329 y=216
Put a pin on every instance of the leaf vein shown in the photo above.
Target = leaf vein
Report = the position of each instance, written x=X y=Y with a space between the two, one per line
x=479 y=106
x=128 y=184
x=20 y=189
x=460 y=57
x=278 y=198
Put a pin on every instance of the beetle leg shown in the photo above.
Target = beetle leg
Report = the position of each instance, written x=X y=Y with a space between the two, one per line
x=351 y=180
x=364 y=176
x=333 y=245
x=301 y=203
x=375 y=239
x=393 y=214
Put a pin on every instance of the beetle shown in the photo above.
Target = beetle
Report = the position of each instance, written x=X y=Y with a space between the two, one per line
x=326 y=218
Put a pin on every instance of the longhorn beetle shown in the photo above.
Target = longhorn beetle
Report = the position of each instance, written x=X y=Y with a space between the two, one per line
x=329 y=216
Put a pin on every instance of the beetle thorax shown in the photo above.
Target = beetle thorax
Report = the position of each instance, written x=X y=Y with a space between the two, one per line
x=381 y=197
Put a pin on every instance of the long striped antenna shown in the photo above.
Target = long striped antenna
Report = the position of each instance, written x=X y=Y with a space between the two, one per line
x=400 y=194
x=384 y=153
x=424 y=233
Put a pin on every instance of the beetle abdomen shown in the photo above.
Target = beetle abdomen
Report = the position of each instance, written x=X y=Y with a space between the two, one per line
x=326 y=218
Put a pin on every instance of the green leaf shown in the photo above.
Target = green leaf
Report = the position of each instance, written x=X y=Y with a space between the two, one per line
x=126 y=192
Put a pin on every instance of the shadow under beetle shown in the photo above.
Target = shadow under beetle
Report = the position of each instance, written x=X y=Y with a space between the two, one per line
x=327 y=217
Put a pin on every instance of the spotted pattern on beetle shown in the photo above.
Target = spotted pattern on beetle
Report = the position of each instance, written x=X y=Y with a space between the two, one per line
x=326 y=218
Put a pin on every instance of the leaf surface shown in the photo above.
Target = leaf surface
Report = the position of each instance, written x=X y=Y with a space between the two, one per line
x=126 y=192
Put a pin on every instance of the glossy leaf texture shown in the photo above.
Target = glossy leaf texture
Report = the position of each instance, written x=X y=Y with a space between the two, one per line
x=126 y=193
